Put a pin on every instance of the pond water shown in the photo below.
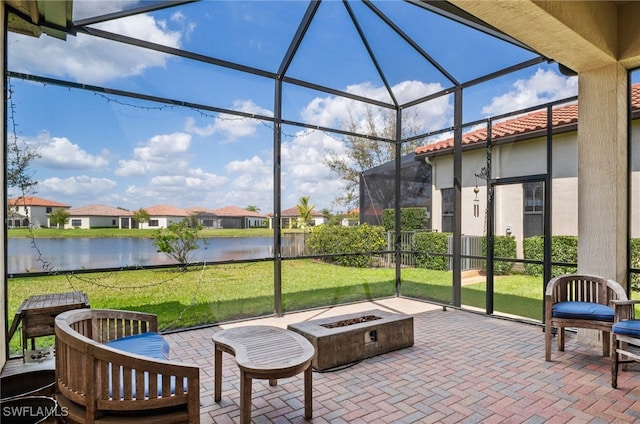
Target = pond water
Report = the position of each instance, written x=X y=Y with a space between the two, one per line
x=44 y=254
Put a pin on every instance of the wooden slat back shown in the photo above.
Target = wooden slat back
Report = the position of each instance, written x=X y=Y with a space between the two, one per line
x=85 y=367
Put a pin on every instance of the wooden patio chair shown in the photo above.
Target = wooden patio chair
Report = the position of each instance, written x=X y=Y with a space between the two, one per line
x=580 y=301
x=625 y=333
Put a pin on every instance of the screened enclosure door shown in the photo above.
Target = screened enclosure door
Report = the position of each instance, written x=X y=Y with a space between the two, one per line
x=519 y=228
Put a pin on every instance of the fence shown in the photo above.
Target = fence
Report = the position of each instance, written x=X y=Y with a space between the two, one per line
x=294 y=244
x=471 y=246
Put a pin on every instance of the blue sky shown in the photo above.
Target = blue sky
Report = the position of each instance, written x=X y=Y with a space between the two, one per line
x=103 y=149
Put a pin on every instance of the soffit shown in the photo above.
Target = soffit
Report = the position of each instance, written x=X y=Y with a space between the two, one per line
x=581 y=35
x=34 y=18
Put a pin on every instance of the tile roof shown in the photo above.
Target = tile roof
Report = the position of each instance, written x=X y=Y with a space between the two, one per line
x=35 y=201
x=198 y=209
x=294 y=212
x=99 y=210
x=166 y=210
x=522 y=125
x=235 y=211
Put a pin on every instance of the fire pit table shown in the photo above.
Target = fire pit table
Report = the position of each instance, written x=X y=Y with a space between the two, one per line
x=349 y=338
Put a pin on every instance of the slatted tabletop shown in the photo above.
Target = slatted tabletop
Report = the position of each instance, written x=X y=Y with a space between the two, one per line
x=263 y=352
x=37 y=313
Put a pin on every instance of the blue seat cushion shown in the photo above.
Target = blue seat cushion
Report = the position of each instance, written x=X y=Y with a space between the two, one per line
x=583 y=310
x=627 y=328
x=148 y=344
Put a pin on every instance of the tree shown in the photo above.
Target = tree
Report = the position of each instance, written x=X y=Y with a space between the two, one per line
x=178 y=241
x=304 y=212
x=252 y=208
x=141 y=215
x=363 y=153
x=59 y=217
x=19 y=157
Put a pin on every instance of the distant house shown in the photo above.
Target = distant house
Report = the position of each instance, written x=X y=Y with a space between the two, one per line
x=235 y=217
x=161 y=216
x=289 y=218
x=99 y=216
x=32 y=211
x=203 y=216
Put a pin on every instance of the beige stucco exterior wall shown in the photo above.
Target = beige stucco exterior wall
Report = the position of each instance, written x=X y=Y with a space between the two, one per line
x=513 y=160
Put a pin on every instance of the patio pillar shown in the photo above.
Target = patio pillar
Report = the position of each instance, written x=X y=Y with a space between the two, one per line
x=602 y=176
x=602 y=172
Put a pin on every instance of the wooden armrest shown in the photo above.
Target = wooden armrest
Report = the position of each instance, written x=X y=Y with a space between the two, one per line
x=625 y=302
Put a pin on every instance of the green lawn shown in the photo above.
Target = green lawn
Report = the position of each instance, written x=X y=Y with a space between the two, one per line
x=205 y=295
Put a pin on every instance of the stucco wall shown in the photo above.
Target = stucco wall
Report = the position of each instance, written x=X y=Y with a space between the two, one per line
x=523 y=158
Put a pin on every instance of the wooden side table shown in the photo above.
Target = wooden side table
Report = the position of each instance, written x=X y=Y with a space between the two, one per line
x=263 y=352
x=38 y=313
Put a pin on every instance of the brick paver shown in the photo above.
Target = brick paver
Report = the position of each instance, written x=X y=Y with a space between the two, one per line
x=463 y=368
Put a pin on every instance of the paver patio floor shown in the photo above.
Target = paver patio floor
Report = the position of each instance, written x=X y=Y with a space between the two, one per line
x=463 y=368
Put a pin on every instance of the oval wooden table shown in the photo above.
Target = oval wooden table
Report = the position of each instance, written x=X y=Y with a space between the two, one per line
x=267 y=353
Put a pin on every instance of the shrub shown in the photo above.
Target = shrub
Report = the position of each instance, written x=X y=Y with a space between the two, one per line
x=563 y=249
x=503 y=247
x=410 y=219
x=635 y=263
x=336 y=240
x=432 y=243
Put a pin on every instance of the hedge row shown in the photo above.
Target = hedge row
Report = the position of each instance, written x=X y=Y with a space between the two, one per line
x=336 y=240
x=410 y=219
x=563 y=249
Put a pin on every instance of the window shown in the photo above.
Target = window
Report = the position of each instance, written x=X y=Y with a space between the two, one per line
x=153 y=223
x=533 y=222
x=76 y=222
x=447 y=210
x=49 y=209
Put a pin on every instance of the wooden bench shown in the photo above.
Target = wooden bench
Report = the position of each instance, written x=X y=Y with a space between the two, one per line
x=267 y=353
x=99 y=383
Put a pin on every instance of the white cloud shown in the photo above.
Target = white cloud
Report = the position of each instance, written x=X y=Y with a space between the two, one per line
x=94 y=60
x=254 y=165
x=341 y=112
x=81 y=186
x=544 y=86
x=193 y=179
x=162 y=153
x=232 y=127
x=61 y=153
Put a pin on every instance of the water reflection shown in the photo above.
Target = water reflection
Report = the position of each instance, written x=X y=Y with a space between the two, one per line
x=26 y=255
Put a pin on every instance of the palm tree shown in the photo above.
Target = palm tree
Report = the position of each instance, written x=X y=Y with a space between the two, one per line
x=59 y=217
x=252 y=208
x=304 y=211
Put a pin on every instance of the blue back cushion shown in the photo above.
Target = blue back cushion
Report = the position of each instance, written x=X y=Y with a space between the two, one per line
x=583 y=310
x=150 y=344
x=627 y=328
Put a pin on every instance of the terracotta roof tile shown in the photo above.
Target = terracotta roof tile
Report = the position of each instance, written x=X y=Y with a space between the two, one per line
x=235 y=211
x=294 y=212
x=35 y=201
x=523 y=124
x=99 y=210
x=198 y=209
x=166 y=210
